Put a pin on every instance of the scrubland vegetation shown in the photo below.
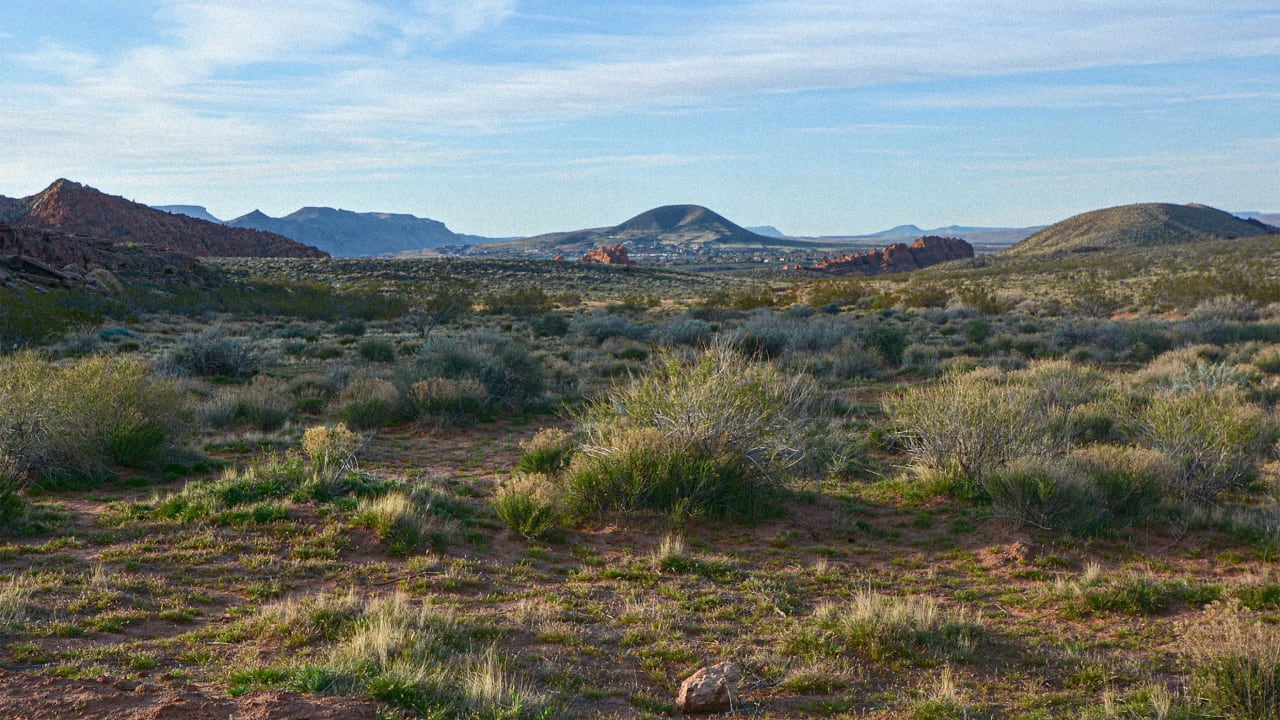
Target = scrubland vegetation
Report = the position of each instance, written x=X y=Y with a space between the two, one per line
x=993 y=490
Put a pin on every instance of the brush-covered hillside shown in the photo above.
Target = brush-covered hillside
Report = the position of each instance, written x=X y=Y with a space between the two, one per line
x=1136 y=226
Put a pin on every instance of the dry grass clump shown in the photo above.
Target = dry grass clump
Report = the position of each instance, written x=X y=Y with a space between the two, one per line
x=887 y=628
x=411 y=656
x=1235 y=662
x=404 y=522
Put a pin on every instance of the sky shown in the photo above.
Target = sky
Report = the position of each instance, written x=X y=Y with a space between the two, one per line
x=516 y=117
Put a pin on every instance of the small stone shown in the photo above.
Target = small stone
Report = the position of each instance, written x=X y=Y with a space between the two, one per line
x=710 y=689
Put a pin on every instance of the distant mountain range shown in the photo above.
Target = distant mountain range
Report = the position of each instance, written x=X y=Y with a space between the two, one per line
x=79 y=210
x=343 y=233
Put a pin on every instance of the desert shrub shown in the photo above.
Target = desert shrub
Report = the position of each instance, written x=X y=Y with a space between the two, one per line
x=69 y=423
x=1215 y=438
x=890 y=341
x=1046 y=496
x=1268 y=360
x=852 y=360
x=1235 y=662
x=1128 y=482
x=212 y=353
x=331 y=450
x=971 y=424
x=922 y=295
x=739 y=299
x=684 y=331
x=12 y=504
x=547 y=452
x=511 y=375
x=453 y=402
x=520 y=302
x=29 y=318
x=550 y=324
x=262 y=404
x=372 y=403
x=1226 y=308
x=599 y=326
x=377 y=350
x=531 y=505
x=977 y=331
x=841 y=293
x=350 y=327
x=716 y=435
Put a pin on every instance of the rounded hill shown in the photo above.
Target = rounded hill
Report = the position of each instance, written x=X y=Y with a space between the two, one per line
x=1137 y=226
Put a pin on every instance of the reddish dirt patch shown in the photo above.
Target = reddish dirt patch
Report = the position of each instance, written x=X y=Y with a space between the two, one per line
x=25 y=696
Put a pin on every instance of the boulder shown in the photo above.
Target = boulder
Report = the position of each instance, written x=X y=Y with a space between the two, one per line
x=710 y=689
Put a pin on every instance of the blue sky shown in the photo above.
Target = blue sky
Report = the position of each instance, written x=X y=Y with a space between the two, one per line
x=510 y=117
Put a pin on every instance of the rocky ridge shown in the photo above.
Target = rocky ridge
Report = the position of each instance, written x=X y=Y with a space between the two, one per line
x=611 y=255
x=899 y=257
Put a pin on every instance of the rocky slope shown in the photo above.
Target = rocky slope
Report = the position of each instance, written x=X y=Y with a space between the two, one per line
x=75 y=209
x=899 y=257
x=55 y=259
x=1134 y=226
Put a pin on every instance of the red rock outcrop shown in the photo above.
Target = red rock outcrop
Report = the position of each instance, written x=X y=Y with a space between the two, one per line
x=47 y=257
x=613 y=255
x=76 y=209
x=899 y=257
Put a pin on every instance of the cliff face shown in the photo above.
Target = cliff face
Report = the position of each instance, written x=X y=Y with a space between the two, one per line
x=899 y=257
x=75 y=209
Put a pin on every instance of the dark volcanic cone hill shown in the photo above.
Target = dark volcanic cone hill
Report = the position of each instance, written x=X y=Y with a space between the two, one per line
x=75 y=209
x=685 y=226
x=1137 y=226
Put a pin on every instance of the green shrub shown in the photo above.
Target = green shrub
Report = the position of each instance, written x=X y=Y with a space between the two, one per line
x=212 y=353
x=350 y=327
x=377 y=350
x=446 y=401
x=548 y=452
x=1215 y=438
x=890 y=341
x=512 y=376
x=717 y=435
x=1049 y=497
x=971 y=424
x=69 y=423
x=530 y=505
x=372 y=403
x=550 y=324
x=262 y=404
